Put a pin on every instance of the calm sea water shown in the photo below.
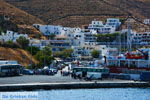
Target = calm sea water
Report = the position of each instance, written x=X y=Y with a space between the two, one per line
x=97 y=94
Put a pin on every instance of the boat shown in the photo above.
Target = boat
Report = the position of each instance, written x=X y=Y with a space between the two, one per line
x=131 y=63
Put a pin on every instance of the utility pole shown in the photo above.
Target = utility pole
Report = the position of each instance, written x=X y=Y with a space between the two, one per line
x=31 y=56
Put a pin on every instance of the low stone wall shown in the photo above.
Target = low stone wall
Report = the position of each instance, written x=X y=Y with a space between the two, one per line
x=75 y=85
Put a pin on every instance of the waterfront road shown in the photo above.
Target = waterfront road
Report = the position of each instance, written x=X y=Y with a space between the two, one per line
x=36 y=79
x=36 y=82
x=27 y=79
x=30 y=79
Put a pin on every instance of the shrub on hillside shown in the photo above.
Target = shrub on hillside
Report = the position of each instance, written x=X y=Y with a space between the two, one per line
x=23 y=42
x=9 y=44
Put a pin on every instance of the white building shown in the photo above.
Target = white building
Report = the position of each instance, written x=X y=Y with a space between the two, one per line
x=2 y=62
x=147 y=21
x=141 y=38
x=11 y=36
x=50 y=29
x=60 y=43
x=114 y=22
x=57 y=30
x=83 y=43
x=37 y=43
x=96 y=24
x=109 y=27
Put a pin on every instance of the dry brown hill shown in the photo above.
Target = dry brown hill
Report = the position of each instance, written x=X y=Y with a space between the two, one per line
x=16 y=15
x=22 y=56
x=12 y=18
x=81 y=12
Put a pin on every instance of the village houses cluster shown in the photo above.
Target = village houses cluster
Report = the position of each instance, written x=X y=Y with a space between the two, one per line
x=82 y=41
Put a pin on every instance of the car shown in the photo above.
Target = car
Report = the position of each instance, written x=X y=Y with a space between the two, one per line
x=47 y=71
x=38 y=72
x=27 y=72
x=54 y=70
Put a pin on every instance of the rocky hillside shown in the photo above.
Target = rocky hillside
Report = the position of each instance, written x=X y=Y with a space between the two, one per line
x=22 y=56
x=82 y=12
x=16 y=15
x=12 y=18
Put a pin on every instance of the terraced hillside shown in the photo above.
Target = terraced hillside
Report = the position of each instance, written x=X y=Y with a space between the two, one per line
x=81 y=12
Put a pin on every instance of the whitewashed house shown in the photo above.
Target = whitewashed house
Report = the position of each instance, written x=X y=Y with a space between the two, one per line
x=49 y=29
x=57 y=30
x=101 y=28
x=83 y=43
x=60 y=43
x=11 y=36
x=147 y=21
x=114 y=22
x=96 y=24
x=141 y=38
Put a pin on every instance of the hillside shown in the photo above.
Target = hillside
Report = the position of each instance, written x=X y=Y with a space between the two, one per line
x=23 y=57
x=81 y=12
x=12 y=18
x=16 y=15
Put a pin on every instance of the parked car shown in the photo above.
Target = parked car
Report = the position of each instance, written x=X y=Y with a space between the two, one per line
x=54 y=70
x=38 y=72
x=27 y=72
x=47 y=71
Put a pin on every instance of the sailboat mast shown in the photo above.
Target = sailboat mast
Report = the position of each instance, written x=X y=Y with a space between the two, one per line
x=129 y=37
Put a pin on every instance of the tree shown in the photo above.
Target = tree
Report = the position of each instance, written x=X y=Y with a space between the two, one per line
x=33 y=50
x=107 y=37
x=67 y=53
x=52 y=36
x=1 y=31
x=64 y=54
x=9 y=44
x=44 y=56
x=23 y=42
x=95 y=54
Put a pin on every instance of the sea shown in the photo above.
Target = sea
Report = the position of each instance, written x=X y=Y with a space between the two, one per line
x=96 y=94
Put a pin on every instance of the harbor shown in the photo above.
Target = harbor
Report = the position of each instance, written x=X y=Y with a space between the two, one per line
x=38 y=82
x=74 y=49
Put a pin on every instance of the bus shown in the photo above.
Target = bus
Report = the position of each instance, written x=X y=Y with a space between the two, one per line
x=90 y=72
x=10 y=69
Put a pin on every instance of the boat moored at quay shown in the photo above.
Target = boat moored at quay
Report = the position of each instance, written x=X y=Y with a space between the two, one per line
x=135 y=63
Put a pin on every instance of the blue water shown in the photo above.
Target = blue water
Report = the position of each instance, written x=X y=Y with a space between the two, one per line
x=97 y=94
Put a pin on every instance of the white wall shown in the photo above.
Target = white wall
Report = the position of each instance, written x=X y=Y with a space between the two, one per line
x=11 y=36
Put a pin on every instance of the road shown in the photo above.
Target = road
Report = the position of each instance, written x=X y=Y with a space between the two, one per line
x=26 y=79
x=36 y=79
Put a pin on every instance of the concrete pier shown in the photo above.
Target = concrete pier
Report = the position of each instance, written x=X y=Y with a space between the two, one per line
x=71 y=85
x=36 y=82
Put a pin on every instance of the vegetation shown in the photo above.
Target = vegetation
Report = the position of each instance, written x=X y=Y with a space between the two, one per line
x=1 y=30
x=33 y=50
x=124 y=37
x=23 y=42
x=106 y=37
x=9 y=44
x=95 y=54
x=52 y=36
x=44 y=56
x=22 y=56
x=64 y=54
